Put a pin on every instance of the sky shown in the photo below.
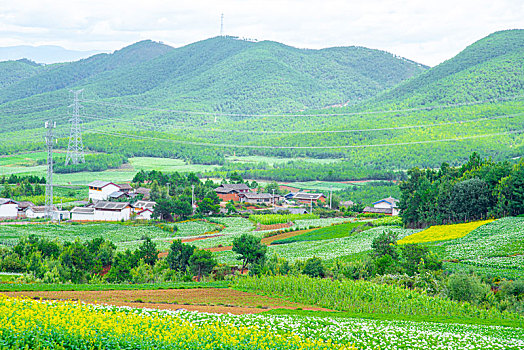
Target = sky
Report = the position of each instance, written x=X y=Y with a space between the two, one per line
x=425 y=31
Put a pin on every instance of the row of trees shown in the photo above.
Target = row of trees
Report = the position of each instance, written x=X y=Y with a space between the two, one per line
x=480 y=188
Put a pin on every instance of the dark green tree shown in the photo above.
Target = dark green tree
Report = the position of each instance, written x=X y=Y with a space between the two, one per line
x=179 y=255
x=249 y=249
x=202 y=263
x=148 y=251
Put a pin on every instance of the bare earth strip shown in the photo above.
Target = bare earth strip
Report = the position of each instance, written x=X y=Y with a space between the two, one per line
x=216 y=300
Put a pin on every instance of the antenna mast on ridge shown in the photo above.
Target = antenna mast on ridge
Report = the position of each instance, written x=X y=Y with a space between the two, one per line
x=222 y=25
x=75 y=150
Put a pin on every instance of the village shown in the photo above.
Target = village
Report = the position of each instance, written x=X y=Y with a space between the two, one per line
x=111 y=202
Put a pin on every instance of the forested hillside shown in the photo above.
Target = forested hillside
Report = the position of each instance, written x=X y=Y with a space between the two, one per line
x=223 y=96
x=491 y=67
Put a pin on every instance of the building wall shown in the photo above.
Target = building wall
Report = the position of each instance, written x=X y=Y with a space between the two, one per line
x=109 y=215
x=104 y=193
x=32 y=215
x=146 y=215
x=9 y=211
x=82 y=217
x=228 y=197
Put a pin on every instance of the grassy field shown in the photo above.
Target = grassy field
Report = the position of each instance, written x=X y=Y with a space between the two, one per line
x=26 y=164
x=329 y=232
x=276 y=160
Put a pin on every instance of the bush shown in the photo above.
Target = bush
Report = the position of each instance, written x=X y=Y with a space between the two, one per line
x=464 y=287
x=314 y=268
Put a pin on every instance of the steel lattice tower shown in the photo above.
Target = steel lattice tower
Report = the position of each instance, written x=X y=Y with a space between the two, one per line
x=75 y=150
x=49 y=125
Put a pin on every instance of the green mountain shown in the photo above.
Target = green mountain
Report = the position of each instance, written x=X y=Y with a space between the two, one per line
x=223 y=73
x=492 y=67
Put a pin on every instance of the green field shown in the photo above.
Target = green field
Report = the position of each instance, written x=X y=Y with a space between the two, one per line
x=277 y=160
x=329 y=232
x=123 y=235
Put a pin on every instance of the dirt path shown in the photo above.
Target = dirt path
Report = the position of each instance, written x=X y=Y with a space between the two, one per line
x=217 y=300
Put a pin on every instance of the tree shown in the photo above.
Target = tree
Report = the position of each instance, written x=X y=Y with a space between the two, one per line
x=147 y=251
x=235 y=178
x=206 y=206
x=179 y=255
x=510 y=192
x=272 y=186
x=182 y=208
x=250 y=249
x=470 y=199
x=230 y=207
x=202 y=263
x=163 y=209
x=385 y=244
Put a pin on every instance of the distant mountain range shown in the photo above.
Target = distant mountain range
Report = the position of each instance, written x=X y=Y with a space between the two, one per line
x=46 y=54
x=221 y=73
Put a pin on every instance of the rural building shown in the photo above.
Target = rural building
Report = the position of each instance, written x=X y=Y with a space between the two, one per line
x=126 y=188
x=36 y=212
x=100 y=190
x=8 y=209
x=145 y=192
x=103 y=211
x=228 y=192
x=117 y=195
x=258 y=198
x=145 y=214
x=387 y=206
x=307 y=198
x=60 y=215
x=22 y=208
x=112 y=211
x=347 y=204
x=144 y=205
x=83 y=214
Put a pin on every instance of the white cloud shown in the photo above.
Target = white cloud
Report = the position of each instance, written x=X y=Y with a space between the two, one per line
x=425 y=31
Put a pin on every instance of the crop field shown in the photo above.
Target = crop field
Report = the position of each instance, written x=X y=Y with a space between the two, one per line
x=325 y=249
x=271 y=219
x=33 y=324
x=497 y=246
x=276 y=160
x=27 y=322
x=329 y=232
x=124 y=236
x=443 y=232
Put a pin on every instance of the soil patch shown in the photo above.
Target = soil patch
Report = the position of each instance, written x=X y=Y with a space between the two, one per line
x=208 y=300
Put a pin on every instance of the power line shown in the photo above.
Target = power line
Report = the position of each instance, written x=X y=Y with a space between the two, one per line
x=302 y=115
x=19 y=109
x=222 y=145
x=465 y=121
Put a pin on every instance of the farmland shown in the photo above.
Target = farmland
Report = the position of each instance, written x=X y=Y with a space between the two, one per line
x=443 y=232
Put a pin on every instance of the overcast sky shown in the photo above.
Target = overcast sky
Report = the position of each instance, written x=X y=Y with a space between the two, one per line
x=426 y=31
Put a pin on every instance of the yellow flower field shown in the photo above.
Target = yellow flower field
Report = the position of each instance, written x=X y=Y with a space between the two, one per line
x=36 y=324
x=443 y=232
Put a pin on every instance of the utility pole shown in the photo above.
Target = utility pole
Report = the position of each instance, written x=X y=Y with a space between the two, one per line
x=274 y=197
x=168 y=189
x=193 y=198
x=75 y=150
x=49 y=125
x=330 y=196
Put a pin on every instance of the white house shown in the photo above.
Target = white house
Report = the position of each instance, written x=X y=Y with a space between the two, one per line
x=144 y=214
x=83 y=214
x=112 y=211
x=8 y=208
x=36 y=212
x=100 y=190
x=386 y=206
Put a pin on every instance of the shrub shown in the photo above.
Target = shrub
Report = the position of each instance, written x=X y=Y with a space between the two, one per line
x=464 y=287
x=314 y=267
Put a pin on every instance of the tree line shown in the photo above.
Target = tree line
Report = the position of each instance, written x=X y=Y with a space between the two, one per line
x=479 y=189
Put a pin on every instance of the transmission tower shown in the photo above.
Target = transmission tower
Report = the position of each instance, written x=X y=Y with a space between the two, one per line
x=222 y=25
x=49 y=125
x=75 y=150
